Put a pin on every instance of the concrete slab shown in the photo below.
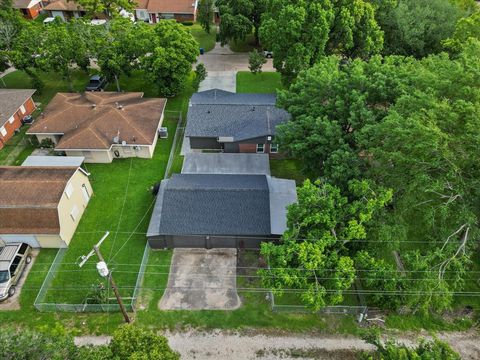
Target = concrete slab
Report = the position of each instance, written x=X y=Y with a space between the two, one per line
x=223 y=163
x=223 y=80
x=202 y=279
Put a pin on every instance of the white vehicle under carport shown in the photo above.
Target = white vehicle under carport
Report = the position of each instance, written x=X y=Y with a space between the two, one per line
x=14 y=257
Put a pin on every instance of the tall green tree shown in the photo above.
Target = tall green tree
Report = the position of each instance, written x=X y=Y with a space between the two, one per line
x=313 y=255
x=301 y=32
x=111 y=8
x=418 y=27
x=240 y=18
x=119 y=46
x=172 y=52
x=466 y=28
x=206 y=13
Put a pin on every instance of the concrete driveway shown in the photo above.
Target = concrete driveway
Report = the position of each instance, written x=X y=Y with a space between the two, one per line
x=202 y=279
x=223 y=59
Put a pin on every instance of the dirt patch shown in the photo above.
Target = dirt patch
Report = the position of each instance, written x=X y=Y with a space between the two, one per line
x=13 y=303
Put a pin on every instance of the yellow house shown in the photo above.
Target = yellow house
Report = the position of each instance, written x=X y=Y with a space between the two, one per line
x=42 y=205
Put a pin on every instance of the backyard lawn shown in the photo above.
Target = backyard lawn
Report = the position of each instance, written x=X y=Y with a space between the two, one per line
x=265 y=82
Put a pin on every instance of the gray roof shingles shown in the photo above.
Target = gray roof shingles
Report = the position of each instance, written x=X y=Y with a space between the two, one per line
x=215 y=205
x=11 y=100
x=215 y=113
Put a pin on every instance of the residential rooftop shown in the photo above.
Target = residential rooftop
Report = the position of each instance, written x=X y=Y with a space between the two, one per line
x=97 y=120
x=11 y=100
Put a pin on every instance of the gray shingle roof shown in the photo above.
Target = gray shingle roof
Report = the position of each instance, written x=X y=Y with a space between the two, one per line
x=11 y=100
x=215 y=113
x=212 y=205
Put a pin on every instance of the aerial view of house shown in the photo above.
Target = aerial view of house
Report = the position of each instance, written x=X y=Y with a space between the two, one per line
x=15 y=104
x=232 y=123
x=29 y=8
x=64 y=9
x=214 y=208
x=239 y=179
x=42 y=205
x=154 y=10
x=101 y=126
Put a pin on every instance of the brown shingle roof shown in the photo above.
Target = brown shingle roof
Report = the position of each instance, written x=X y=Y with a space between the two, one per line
x=24 y=4
x=63 y=5
x=11 y=100
x=93 y=120
x=29 y=197
x=171 y=6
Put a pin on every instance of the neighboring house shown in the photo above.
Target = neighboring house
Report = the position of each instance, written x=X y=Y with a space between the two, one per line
x=101 y=126
x=42 y=206
x=210 y=207
x=41 y=160
x=14 y=105
x=229 y=122
x=153 y=11
x=64 y=9
x=29 y=8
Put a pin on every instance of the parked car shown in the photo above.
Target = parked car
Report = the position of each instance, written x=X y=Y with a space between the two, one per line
x=268 y=54
x=13 y=260
x=27 y=120
x=97 y=83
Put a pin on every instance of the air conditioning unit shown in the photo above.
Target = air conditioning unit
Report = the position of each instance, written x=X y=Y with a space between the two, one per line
x=163 y=133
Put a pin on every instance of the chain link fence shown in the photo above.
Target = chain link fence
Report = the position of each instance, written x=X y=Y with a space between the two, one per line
x=89 y=305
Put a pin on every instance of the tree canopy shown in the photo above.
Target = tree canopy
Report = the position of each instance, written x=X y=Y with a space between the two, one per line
x=409 y=125
x=300 y=33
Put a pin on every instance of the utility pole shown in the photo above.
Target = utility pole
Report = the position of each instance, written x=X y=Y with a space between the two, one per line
x=104 y=272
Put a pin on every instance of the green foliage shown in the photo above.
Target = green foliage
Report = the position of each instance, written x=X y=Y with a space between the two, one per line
x=312 y=257
x=466 y=28
x=47 y=143
x=30 y=345
x=239 y=17
x=133 y=343
x=256 y=60
x=200 y=75
x=206 y=13
x=418 y=27
x=111 y=8
x=426 y=350
x=172 y=52
x=409 y=125
x=98 y=294
x=302 y=33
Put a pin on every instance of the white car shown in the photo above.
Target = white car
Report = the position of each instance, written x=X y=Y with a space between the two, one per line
x=13 y=260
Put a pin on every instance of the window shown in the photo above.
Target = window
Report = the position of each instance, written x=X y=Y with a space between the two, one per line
x=11 y=120
x=69 y=190
x=260 y=148
x=3 y=131
x=274 y=148
x=74 y=213
x=14 y=266
x=22 y=109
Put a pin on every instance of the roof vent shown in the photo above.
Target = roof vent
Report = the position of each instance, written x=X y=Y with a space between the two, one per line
x=120 y=107
x=253 y=108
x=116 y=139
x=124 y=143
x=208 y=111
x=94 y=106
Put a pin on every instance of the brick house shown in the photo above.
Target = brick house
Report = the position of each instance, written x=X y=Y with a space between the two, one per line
x=29 y=8
x=64 y=9
x=233 y=123
x=152 y=11
x=14 y=105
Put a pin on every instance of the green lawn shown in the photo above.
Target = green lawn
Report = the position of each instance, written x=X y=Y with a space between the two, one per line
x=265 y=82
x=206 y=41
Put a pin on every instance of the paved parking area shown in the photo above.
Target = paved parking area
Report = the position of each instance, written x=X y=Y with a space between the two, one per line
x=202 y=279
x=13 y=303
x=223 y=80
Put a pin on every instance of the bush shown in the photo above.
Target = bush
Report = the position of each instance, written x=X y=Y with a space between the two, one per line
x=256 y=61
x=47 y=143
x=187 y=23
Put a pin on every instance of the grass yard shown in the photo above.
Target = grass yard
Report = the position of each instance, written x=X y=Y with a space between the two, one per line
x=206 y=41
x=265 y=82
